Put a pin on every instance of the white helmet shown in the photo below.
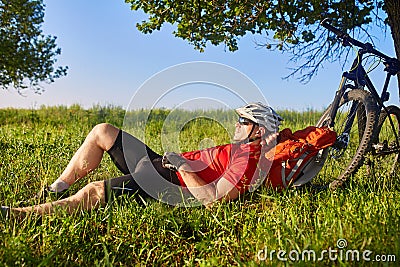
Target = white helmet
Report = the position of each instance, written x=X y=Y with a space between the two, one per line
x=262 y=115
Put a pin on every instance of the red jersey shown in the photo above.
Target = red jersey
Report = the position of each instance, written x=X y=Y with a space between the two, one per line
x=235 y=162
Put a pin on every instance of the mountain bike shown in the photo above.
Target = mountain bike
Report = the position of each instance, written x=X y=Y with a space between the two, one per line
x=364 y=125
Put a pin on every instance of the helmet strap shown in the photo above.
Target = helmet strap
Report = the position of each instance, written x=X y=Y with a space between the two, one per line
x=252 y=130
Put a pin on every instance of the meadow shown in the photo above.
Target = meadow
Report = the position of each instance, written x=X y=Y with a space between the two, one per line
x=262 y=228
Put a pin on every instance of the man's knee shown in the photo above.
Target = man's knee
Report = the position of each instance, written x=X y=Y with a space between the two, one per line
x=104 y=134
x=104 y=129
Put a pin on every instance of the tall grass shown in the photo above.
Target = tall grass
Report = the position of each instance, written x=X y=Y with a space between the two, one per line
x=37 y=144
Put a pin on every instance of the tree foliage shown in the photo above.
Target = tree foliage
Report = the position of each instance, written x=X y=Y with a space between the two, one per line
x=27 y=56
x=291 y=26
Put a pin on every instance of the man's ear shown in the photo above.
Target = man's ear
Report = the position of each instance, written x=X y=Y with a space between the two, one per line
x=261 y=131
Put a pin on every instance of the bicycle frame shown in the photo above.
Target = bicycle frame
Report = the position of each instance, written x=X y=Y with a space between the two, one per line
x=360 y=80
x=363 y=104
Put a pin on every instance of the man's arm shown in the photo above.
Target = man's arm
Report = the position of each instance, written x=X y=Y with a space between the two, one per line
x=207 y=193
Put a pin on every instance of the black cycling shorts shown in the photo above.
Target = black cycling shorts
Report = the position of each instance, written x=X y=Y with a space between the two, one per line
x=141 y=167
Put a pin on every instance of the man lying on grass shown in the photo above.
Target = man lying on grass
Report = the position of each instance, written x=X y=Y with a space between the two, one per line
x=208 y=175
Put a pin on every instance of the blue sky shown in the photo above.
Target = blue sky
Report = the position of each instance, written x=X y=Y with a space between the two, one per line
x=109 y=59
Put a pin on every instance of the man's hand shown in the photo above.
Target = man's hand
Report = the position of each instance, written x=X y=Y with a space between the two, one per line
x=172 y=161
x=269 y=141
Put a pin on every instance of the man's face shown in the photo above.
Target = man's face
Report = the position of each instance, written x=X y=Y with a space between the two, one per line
x=243 y=128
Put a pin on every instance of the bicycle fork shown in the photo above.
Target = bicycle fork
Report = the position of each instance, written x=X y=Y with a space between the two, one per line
x=342 y=141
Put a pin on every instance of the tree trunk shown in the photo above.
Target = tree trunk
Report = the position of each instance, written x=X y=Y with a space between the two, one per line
x=393 y=12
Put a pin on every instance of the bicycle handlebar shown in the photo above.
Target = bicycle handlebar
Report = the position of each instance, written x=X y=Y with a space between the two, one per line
x=348 y=40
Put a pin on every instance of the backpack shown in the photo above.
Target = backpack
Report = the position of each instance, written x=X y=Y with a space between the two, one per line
x=298 y=156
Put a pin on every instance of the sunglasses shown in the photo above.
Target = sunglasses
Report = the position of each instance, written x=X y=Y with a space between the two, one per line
x=245 y=121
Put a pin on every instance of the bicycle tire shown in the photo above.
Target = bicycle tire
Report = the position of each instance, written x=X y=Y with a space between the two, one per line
x=340 y=163
x=385 y=160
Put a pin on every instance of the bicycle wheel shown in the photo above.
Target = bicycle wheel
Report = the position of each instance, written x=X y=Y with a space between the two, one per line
x=385 y=149
x=346 y=155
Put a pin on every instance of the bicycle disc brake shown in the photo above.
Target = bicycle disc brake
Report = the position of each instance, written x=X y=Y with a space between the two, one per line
x=340 y=145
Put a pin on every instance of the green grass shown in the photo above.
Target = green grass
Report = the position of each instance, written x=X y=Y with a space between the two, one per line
x=37 y=144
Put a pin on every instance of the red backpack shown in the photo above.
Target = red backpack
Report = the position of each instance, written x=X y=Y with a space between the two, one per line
x=294 y=160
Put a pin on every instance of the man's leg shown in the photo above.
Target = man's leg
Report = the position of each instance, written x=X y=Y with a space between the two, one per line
x=89 y=197
x=87 y=158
